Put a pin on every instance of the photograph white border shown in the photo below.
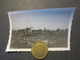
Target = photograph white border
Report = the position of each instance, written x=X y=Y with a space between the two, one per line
x=28 y=49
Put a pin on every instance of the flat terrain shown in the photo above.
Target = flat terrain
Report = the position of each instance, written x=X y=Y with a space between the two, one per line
x=25 y=38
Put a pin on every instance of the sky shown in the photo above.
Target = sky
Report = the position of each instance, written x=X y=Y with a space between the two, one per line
x=43 y=18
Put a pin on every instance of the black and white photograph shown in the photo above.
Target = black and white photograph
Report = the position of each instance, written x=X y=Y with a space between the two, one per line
x=52 y=26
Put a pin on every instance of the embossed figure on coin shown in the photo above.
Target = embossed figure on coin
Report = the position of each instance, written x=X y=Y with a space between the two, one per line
x=39 y=50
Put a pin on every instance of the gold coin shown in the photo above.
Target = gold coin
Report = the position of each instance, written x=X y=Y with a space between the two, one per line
x=39 y=50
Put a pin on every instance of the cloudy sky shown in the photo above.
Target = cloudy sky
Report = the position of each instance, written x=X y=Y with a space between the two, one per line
x=43 y=18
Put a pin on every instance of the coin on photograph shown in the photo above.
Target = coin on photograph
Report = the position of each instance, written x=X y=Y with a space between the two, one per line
x=39 y=50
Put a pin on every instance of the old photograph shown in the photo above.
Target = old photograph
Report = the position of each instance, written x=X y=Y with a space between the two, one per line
x=52 y=26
